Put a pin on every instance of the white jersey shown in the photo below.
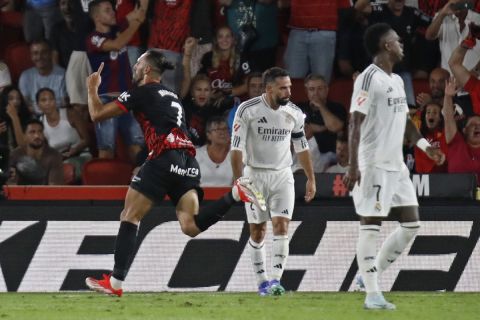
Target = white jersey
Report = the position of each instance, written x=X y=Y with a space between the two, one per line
x=213 y=174
x=381 y=97
x=264 y=134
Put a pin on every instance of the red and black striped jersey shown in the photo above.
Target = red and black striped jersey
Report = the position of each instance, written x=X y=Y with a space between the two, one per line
x=161 y=117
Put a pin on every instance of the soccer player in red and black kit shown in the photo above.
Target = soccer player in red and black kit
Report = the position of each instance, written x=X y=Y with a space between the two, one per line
x=170 y=169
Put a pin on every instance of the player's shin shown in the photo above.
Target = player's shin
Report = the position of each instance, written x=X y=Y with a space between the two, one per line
x=258 y=256
x=366 y=251
x=280 y=254
x=124 y=249
x=212 y=213
x=394 y=245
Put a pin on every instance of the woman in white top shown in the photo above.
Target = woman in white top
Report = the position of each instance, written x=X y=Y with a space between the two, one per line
x=64 y=130
x=214 y=157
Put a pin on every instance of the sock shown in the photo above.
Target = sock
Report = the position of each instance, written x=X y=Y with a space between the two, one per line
x=115 y=283
x=366 y=250
x=280 y=254
x=258 y=256
x=209 y=215
x=235 y=195
x=395 y=244
x=124 y=248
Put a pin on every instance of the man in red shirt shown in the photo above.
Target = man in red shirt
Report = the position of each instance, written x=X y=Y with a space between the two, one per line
x=463 y=150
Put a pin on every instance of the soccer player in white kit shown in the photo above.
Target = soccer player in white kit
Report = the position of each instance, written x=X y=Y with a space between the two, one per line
x=262 y=132
x=380 y=180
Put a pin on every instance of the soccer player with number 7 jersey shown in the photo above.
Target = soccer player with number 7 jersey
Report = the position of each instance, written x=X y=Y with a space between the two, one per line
x=170 y=169
x=379 y=178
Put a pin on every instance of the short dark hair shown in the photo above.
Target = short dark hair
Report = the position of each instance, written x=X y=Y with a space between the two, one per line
x=93 y=5
x=41 y=90
x=41 y=41
x=314 y=76
x=252 y=75
x=31 y=122
x=158 y=61
x=373 y=35
x=271 y=74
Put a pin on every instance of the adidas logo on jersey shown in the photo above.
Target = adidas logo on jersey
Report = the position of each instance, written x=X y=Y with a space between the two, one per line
x=390 y=89
x=285 y=211
x=263 y=120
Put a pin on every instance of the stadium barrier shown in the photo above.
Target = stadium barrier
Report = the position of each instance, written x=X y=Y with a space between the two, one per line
x=50 y=246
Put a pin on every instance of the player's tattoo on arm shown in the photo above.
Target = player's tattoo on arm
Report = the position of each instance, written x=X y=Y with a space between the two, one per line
x=354 y=137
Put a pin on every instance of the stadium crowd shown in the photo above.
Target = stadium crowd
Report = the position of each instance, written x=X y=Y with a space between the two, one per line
x=219 y=49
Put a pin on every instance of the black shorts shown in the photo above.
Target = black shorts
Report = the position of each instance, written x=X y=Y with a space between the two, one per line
x=173 y=173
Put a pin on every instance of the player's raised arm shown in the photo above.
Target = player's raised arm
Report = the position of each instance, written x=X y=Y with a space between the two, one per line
x=98 y=111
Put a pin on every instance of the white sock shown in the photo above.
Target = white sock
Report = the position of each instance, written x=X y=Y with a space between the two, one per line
x=258 y=256
x=366 y=251
x=395 y=244
x=280 y=254
x=115 y=283
x=235 y=194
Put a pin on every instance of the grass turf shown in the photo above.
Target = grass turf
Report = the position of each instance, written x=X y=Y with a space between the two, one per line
x=220 y=305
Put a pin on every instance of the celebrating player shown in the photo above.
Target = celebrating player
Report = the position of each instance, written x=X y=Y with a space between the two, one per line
x=170 y=168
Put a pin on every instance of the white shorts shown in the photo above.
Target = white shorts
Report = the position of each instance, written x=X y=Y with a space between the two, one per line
x=380 y=190
x=278 y=188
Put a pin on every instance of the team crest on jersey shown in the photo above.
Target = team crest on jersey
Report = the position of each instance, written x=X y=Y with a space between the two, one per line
x=362 y=97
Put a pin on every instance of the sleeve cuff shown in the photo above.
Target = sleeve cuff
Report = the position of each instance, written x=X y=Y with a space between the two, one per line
x=120 y=105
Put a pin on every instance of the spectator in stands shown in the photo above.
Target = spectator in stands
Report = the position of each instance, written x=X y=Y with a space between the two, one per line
x=35 y=163
x=44 y=74
x=201 y=28
x=224 y=65
x=342 y=154
x=69 y=33
x=39 y=18
x=405 y=21
x=463 y=76
x=324 y=118
x=78 y=25
x=432 y=129
x=312 y=38
x=135 y=47
x=214 y=157
x=105 y=45
x=436 y=80
x=199 y=107
x=5 y=78
x=14 y=116
x=255 y=88
x=463 y=150
x=65 y=130
x=169 y=28
x=351 y=54
x=450 y=26
x=255 y=26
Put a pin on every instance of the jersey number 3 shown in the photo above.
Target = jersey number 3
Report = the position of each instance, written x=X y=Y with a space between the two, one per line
x=177 y=106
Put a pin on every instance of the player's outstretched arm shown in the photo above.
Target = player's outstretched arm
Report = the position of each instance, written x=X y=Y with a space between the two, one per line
x=98 y=111
x=352 y=175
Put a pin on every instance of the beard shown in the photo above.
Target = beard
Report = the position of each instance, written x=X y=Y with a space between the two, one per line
x=36 y=145
x=282 y=101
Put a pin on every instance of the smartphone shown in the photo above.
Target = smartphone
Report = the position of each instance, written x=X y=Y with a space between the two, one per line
x=462 y=5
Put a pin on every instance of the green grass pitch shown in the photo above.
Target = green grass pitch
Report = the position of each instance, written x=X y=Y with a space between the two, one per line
x=221 y=305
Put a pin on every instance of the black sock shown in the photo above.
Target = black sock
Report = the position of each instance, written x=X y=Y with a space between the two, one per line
x=215 y=211
x=124 y=247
